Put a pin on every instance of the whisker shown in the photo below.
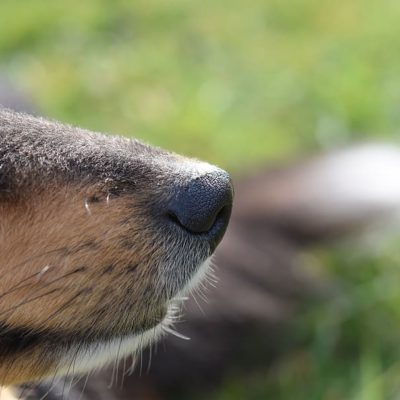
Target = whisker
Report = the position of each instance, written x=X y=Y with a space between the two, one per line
x=114 y=374
x=197 y=303
x=29 y=300
x=47 y=283
x=175 y=333
x=84 y=386
x=22 y=393
x=22 y=263
x=52 y=384
x=18 y=285
x=71 y=364
x=87 y=207
x=151 y=351
x=67 y=304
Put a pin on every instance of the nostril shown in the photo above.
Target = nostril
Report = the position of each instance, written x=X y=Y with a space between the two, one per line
x=172 y=216
x=223 y=213
x=194 y=227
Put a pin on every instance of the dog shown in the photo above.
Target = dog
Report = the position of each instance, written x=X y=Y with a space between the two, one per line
x=101 y=237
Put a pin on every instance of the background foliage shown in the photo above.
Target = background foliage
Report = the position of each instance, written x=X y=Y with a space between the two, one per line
x=230 y=81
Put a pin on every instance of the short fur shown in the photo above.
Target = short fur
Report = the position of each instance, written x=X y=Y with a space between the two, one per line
x=88 y=256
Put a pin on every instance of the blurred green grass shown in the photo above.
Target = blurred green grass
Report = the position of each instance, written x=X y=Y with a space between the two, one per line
x=240 y=84
x=233 y=82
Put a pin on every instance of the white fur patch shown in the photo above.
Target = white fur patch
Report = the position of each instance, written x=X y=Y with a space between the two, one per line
x=98 y=354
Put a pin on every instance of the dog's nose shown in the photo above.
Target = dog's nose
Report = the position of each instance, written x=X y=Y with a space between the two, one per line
x=204 y=205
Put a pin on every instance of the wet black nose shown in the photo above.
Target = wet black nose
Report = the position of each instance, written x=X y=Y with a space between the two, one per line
x=204 y=205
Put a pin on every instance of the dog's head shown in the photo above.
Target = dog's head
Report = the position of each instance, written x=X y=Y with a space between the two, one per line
x=99 y=237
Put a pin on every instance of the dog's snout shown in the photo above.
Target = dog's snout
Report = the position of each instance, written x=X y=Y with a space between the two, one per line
x=204 y=205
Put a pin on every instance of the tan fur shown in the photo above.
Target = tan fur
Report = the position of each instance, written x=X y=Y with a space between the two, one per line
x=57 y=248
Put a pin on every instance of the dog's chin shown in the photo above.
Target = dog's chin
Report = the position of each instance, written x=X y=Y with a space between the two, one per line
x=84 y=357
